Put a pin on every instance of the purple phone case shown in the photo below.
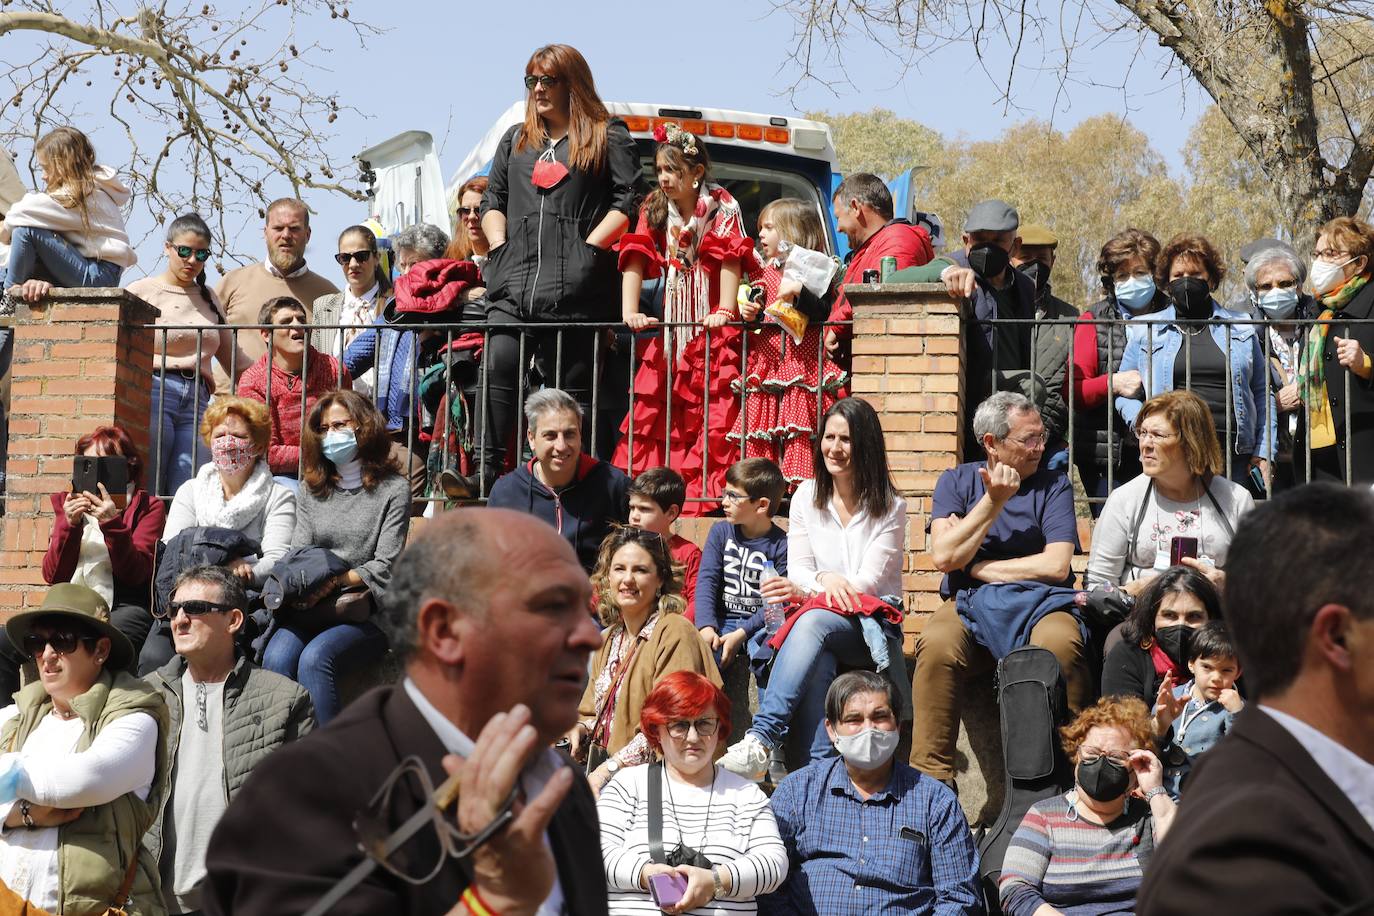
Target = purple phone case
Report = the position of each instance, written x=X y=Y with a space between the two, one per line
x=667 y=889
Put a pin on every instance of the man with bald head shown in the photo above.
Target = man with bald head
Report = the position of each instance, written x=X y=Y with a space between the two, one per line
x=495 y=639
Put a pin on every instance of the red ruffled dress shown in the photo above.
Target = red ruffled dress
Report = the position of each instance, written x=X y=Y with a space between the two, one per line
x=787 y=387
x=690 y=433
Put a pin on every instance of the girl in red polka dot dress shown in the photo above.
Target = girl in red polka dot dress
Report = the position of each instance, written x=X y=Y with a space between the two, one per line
x=789 y=379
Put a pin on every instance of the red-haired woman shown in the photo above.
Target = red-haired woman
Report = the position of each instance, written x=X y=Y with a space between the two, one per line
x=105 y=541
x=690 y=233
x=718 y=835
x=561 y=191
x=469 y=240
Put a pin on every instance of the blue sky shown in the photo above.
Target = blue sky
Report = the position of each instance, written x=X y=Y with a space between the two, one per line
x=452 y=73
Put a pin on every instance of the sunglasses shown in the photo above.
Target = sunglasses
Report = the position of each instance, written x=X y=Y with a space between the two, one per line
x=191 y=608
x=362 y=257
x=62 y=643
x=705 y=728
x=468 y=211
x=185 y=251
x=545 y=81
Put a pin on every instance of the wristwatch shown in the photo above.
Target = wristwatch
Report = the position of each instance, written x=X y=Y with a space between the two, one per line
x=612 y=765
x=1151 y=793
x=718 y=886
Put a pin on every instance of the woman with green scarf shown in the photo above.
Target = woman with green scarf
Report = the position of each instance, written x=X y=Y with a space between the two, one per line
x=1336 y=377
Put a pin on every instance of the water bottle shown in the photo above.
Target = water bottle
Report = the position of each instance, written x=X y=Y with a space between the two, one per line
x=773 y=613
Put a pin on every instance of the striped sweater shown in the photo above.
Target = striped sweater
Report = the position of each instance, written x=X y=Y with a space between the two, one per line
x=1080 y=868
x=740 y=835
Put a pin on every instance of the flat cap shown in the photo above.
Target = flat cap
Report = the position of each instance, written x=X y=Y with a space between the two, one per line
x=1038 y=236
x=992 y=216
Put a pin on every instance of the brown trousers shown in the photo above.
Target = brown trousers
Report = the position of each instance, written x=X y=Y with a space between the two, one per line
x=946 y=653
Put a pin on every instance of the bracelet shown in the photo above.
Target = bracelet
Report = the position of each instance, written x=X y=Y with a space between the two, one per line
x=474 y=902
x=718 y=886
x=1151 y=794
x=24 y=810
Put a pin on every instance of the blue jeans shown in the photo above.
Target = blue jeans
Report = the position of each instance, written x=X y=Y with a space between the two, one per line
x=315 y=658
x=41 y=254
x=793 y=705
x=180 y=404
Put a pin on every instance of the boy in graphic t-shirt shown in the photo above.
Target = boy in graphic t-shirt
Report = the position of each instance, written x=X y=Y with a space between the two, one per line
x=729 y=607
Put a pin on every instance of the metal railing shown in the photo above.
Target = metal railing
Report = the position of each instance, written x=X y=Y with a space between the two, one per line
x=1141 y=336
x=615 y=358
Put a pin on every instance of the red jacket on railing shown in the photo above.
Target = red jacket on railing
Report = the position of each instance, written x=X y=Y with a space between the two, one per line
x=287 y=415
x=899 y=239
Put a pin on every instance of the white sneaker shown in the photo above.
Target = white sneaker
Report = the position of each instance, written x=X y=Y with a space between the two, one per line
x=748 y=758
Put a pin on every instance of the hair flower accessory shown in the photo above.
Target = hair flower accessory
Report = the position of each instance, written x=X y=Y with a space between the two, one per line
x=668 y=132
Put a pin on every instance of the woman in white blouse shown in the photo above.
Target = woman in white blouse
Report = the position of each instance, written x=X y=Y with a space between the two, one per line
x=83 y=752
x=717 y=839
x=845 y=539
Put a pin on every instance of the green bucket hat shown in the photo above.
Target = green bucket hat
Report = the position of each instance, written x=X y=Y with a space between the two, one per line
x=82 y=604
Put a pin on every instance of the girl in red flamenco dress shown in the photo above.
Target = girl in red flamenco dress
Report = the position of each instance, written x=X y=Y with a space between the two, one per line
x=691 y=233
x=789 y=380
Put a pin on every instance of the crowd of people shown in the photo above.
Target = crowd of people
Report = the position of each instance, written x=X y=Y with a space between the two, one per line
x=631 y=722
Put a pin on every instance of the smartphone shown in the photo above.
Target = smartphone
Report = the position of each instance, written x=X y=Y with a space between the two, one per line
x=1257 y=478
x=88 y=471
x=1180 y=547
x=667 y=889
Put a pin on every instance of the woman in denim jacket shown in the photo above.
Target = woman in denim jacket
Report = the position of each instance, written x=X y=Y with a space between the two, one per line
x=1189 y=345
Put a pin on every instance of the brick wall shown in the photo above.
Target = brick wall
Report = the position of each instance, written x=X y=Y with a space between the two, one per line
x=908 y=363
x=81 y=360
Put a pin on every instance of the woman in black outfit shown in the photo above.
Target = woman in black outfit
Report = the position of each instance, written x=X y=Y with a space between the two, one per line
x=1154 y=639
x=562 y=189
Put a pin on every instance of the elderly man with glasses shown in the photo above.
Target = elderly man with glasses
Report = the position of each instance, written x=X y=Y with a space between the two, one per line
x=227 y=715
x=1000 y=520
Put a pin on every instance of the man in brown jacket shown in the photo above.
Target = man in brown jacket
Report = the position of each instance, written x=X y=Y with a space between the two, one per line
x=1279 y=816
x=495 y=637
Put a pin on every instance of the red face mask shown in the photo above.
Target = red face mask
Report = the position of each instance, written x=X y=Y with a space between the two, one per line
x=548 y=171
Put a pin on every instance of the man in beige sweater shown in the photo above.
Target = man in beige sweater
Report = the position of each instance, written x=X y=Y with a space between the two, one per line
x=243 y=291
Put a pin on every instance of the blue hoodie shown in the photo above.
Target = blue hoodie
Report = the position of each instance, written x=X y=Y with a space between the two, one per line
x=583 y=512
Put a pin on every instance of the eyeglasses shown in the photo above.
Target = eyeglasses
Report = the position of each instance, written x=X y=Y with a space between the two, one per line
x=191 y=608
x=1149 y=435
x=545 y=81
x=362 y=257
x=705 y=728
x=1329 y=254
x=468 y=211
x=62 y=643
x=185 y=251
x=338 y=425
x=732 y=496
x=1029 y=441
x=1087 y=754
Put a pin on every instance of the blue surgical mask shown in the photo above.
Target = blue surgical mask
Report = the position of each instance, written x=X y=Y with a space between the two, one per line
x=340 y=446
x=1134 y=294
x=1278 y=303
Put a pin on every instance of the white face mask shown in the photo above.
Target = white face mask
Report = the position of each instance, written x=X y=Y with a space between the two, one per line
x=1326 y=276
x=868 y=749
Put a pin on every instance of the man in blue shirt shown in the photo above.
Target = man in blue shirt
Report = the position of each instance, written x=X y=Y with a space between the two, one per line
x=867 y=834
x=998 y=520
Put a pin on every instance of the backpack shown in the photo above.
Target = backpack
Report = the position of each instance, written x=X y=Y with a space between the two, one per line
x=1032 y=704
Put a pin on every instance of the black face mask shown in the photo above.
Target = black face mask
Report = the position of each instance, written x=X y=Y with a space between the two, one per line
x=1192 y=298
x=1103 y=779
x=1174 y=642
x=1039 y=272
x=988 y=260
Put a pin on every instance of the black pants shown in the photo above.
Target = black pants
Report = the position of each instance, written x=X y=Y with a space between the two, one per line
x=130 y=619
x=564 y=358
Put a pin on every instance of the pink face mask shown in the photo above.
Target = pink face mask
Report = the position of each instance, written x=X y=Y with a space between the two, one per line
x=232 y=454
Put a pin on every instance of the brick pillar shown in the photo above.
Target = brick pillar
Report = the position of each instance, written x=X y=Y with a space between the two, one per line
x=908 y=363
x=81 y=360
